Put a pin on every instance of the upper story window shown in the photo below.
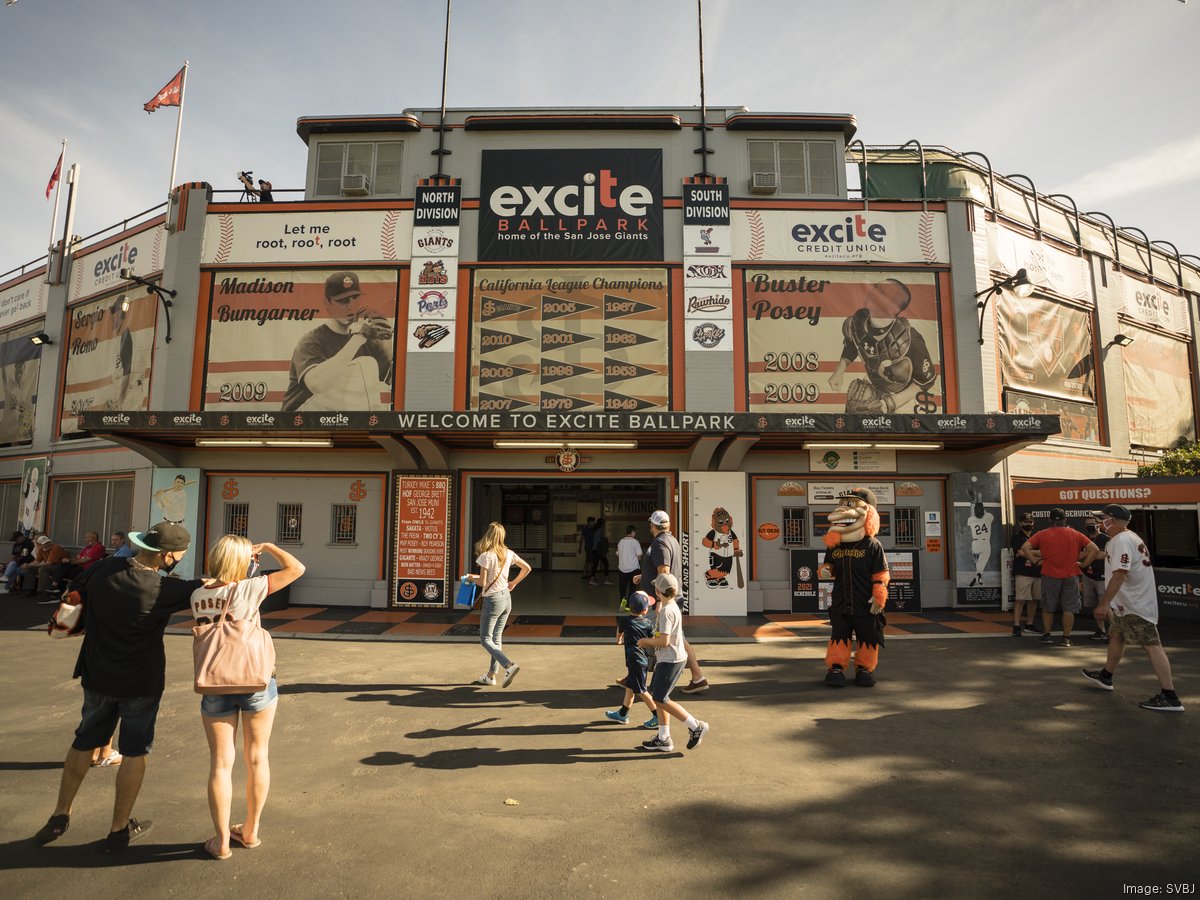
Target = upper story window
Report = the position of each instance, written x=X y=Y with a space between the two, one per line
x=358 y=168
x=807 y=168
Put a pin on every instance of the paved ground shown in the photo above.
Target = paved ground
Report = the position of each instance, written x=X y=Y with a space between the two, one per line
x=979 y=767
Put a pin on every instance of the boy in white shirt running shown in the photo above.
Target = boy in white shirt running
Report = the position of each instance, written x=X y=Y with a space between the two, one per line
x=672 y=657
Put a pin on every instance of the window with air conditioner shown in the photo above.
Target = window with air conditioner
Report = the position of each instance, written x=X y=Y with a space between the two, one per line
x=796 y=168
x=358 y=168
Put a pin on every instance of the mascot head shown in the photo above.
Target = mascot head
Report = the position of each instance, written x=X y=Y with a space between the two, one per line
x=722 y=521
x=854 y=518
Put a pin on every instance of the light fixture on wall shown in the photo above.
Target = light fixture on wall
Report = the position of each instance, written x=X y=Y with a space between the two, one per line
x=1019 y=284
x=564 y=445
x=264 y=442
x=1119 y=340
x=40 y=338
x=853 y=445
x=151 y=288
x=123 y=302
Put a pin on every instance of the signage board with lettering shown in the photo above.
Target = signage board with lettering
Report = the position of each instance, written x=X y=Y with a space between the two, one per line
x=421 y=568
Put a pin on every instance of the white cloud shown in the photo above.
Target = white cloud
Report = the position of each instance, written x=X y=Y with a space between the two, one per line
x=1168 y=164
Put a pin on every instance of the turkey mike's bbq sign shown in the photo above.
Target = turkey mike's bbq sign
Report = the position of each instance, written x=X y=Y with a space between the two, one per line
x=579 y=205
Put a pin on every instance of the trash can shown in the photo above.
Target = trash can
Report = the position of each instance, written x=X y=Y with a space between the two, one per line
x=278 y=600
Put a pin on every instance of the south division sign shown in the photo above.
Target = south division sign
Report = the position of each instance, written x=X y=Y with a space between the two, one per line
x=422 y=548
x=579 y=205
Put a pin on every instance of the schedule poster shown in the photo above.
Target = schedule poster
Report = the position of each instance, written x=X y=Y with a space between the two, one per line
x=422 y=549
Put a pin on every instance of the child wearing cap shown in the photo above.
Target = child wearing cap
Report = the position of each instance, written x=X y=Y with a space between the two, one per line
x=630 y=630
x=672 y=657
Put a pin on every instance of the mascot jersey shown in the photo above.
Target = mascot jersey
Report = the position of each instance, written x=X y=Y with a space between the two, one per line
x=854 y=567
x=897 y=344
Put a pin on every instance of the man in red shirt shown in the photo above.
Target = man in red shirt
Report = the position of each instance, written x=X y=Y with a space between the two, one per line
x=93 y=551
x=1061 y=551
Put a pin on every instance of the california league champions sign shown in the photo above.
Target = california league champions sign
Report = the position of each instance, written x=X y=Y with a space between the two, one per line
x=578 y=205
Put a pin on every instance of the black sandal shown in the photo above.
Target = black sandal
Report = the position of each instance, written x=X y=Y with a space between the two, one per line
x=54 y=828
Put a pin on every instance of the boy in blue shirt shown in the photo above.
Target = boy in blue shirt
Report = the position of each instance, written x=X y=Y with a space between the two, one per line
x=630 y=629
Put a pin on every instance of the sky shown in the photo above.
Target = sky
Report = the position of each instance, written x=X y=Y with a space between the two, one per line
x=1092 y=98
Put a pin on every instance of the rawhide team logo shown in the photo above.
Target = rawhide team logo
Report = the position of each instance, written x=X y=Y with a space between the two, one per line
x=571 y=205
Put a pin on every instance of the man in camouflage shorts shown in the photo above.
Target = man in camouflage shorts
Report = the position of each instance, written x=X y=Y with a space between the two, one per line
x=1130 y=606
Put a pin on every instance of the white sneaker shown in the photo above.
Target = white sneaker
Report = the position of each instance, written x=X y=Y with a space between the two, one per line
x=486 y=679
x=510 y=673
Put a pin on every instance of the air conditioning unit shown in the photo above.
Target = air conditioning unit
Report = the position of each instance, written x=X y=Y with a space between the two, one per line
x=355 y=186
x=764 y=183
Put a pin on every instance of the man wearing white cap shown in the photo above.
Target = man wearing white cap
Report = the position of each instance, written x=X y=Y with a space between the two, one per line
x=665 y=555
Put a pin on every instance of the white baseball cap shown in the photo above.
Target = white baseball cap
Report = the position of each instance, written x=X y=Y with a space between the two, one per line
x=660 y=519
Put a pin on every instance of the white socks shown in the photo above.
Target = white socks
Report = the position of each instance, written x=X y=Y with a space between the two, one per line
x=691 y=724
x=664 y=732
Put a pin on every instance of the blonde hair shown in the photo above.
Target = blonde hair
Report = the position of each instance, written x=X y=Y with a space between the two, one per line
x=493 y=540
x=229 y=558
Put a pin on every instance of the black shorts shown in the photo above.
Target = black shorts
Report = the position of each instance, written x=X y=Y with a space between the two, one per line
x=665 y=676
x=99 y=720
x=635 y=677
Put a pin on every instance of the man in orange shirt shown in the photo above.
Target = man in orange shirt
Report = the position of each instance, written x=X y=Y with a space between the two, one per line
x=1061 y=550
x=46 y=553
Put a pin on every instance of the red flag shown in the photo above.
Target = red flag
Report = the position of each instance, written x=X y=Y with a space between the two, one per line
x=55 y=175
x=169 y=95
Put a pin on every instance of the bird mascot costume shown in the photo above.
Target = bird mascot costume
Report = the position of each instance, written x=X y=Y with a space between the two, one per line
x=856 y=562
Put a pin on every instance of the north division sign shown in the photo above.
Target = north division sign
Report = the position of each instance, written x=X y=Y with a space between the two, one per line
x=577 y=205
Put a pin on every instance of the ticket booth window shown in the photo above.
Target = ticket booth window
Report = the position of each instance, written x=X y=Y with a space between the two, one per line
x=237 y=519
x=905 y=520
x=289 y=522
x=343 y=524
x=795 y=522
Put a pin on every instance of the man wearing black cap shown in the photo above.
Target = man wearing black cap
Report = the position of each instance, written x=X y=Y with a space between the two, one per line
x=122 y=664
x=1027 y=579
x=1130 y=607
x=1061 y=550
x=346 y=362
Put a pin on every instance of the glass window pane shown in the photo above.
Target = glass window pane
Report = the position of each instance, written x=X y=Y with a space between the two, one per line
x=8 y=503
x=65 y=520
x=358 y=159
x=792 y=179
x=762 y=156
x=120 y=507
x=387 y=168
x=93 y=504
x=329 y=169
x=822 y=171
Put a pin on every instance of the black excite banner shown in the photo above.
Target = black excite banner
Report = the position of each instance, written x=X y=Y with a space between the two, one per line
x=596 y=421
x=578 y=205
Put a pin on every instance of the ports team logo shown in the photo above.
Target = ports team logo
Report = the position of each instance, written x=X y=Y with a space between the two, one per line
x=579 y=205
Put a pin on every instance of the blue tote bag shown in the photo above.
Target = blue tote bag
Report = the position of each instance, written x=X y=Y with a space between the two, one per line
x=465 y=598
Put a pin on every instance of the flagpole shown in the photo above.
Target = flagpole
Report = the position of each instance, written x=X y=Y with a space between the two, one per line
x=57 y=187
x=178 y=129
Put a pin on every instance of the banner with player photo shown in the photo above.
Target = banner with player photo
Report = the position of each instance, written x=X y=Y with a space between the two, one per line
x=570 y=339
x=843 y=340
x=110 y=347
x=976 y=532
x=1045 y=346
x=20 y=365
x=308 y=339
x=33 y=494
x=1158 y=390
x=1080 y=420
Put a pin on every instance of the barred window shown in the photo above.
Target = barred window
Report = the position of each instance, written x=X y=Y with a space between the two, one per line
x=289 y=519
x=343 y=523
x=905 y=519
x=795 y=520
x=237 y=519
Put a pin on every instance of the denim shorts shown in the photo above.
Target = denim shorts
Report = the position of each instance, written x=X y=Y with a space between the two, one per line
x=665 y=676
x=99 y=720
x=217 y=705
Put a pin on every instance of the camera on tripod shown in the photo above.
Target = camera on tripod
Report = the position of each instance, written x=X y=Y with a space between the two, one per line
x=246 y=180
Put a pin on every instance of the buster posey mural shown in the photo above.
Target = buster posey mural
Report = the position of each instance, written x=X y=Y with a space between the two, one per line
x=301 y=340
x=840 y=340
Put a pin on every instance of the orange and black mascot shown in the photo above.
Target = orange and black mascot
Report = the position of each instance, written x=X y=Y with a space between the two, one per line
x=856 y=561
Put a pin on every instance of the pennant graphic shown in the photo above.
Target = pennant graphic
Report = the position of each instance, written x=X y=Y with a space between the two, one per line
x=490 y=402
x=557 y=308
x=553 y=339
x=491 y=308
x=620 y=339
x=614 y=402
x=557 y=371
x=615 y=370
x=492 y=374
x=561 y=403
x=490 y=341
x=54 y=176
x=168 y=96
x=615 y=307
